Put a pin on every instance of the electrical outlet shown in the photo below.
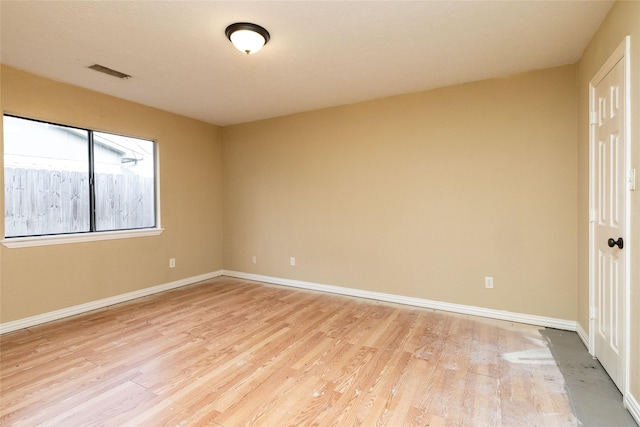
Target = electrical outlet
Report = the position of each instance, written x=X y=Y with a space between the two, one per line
x=292 y=261
x=172 y=262
x=254 y=259
x=488 y=282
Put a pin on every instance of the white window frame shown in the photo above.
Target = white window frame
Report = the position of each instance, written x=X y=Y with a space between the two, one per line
x=68 y=238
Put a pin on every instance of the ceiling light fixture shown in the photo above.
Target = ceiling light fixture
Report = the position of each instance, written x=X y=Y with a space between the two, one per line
x=246 y=37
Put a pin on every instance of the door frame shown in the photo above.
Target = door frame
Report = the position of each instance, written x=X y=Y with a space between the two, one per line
x=622 y=52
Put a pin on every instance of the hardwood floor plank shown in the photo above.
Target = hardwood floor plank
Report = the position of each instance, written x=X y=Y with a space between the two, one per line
x=111 y=406
x=481 y=401
x=57 y=397
x=229 y=352
x=484 y=355
x=415 y=395
x=306 y=405
x=453 y=365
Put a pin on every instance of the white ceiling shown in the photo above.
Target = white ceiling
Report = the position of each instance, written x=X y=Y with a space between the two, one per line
x=321 y=53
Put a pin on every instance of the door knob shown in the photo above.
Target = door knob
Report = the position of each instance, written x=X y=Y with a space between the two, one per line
x=619 y=243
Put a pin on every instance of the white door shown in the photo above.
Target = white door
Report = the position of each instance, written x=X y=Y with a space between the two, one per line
x=609 y=187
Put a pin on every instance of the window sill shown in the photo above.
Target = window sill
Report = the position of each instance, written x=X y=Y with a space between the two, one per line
x=63 y=239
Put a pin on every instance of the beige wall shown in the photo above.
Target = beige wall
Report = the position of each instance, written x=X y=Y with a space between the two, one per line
x=622 y=20
x=419 y=195
x=43 y=279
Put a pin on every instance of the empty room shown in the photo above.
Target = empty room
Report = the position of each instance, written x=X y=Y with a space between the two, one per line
x=300 y=213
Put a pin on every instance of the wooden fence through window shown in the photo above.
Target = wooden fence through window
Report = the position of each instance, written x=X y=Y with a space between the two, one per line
x=41 y=201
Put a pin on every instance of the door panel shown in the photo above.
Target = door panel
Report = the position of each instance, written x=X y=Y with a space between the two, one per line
x=610 y=198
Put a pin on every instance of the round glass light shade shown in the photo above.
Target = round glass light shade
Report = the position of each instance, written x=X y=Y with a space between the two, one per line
x=247 y=41
x=246 y=37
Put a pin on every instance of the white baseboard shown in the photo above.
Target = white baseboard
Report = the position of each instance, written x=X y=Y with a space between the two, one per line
x=632 y=406
x=94 y=305
x=530 y=319
x=583 y=335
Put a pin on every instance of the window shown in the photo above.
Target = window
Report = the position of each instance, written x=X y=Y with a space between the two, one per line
x=62 y=180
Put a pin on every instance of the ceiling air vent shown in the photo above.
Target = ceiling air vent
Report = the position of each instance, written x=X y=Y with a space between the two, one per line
x=109 y=71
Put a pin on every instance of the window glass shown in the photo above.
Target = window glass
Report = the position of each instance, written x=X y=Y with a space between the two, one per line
x=124 y=180
x=46 y=178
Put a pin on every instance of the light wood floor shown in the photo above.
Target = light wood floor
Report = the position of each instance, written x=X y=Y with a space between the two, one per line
x=233 y=353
